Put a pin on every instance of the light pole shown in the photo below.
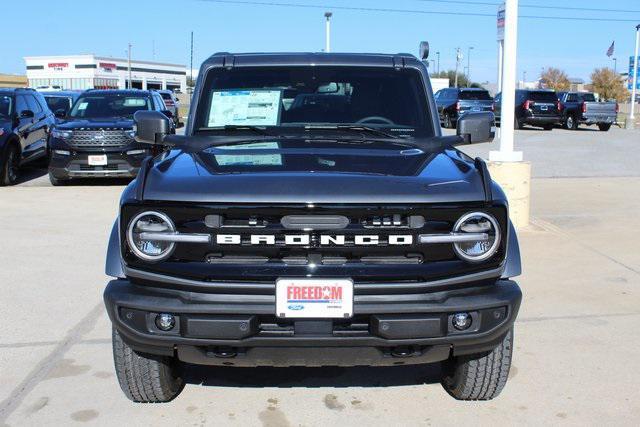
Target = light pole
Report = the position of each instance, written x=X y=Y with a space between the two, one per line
x=327 y=44
x=524 y=79
x=455 y=84
x=438 y=66
x=469 y=65
x=506 y=153
x=129 y=65
x=634 y=88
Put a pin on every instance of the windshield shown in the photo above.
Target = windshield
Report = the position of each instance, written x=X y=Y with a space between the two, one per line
x=382 y=98
x=109 y=105
x=56 y=103
x=6 y=106
x=543 y=96
x=475 y=95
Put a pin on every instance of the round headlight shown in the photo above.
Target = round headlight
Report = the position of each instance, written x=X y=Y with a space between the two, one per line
x=486 y=228
x=149 y=249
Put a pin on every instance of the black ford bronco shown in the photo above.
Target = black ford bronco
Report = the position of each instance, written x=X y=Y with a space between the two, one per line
x=312 y=215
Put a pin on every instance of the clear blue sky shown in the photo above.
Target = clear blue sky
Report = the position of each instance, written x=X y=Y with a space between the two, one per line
x=63 y=27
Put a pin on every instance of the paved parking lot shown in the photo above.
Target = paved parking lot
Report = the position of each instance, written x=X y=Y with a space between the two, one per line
x=577 y=353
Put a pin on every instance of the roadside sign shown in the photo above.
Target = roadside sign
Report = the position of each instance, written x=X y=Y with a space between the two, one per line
x=501 y=12
x=631 y=74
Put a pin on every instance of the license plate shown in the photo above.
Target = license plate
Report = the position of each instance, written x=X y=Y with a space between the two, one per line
x=314 y=298
x=544 y=107
x=476 y=109
x=98 y=160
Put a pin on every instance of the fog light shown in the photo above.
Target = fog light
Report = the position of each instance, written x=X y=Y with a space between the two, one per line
x=461 y=321
x=165 y=322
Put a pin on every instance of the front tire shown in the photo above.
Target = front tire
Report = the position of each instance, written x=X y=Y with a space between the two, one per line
x=571 y=123
x=480 y=376
x=56 y=182
x=145 y=378
x=9 y=166
x=604 y=127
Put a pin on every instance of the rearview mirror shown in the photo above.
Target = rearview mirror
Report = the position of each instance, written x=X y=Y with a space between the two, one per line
x=151 y=127
x=60 y=113
x=475 y=128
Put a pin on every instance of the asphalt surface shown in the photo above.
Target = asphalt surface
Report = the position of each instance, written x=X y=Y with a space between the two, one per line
x=577 y=345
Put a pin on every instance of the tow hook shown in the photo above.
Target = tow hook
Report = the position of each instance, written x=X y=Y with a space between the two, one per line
x=404 y=352
x=222 y=352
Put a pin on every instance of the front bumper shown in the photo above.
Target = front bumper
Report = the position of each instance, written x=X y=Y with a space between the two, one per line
x=230 y=330
x=76 y=164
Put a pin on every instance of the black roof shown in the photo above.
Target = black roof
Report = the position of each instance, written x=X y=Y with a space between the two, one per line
x=227 y=59
x=68 y=93
x=118 y=91
x=16 y=89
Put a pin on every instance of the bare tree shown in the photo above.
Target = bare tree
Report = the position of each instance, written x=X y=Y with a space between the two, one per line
x=555 y=78
x=608 y=84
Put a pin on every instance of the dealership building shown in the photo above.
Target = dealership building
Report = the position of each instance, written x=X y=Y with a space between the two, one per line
x=99 y=72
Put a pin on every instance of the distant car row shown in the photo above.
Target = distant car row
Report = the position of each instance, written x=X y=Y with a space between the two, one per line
x=543 y=108
x=76 y=134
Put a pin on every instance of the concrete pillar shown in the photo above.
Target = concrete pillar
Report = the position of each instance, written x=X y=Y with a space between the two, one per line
x=515 y=180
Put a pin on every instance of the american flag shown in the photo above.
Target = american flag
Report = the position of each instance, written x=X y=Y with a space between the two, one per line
x=611 y=49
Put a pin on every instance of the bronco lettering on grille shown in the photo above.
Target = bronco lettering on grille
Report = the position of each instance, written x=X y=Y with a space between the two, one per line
x=321 y=240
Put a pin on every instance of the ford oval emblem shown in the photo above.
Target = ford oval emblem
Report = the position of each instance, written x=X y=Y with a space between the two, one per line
x=296 y=307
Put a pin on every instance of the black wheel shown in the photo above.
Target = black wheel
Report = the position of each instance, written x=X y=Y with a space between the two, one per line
x=547 y=127
x=571 y=123
x=448 y=123
x=480 y=376
x=57 y=182
x=517 y=124
x=145 y=378
x=9 y=166
x=604 y=127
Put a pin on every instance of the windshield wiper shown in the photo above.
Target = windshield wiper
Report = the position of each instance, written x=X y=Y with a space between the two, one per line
x=355 y=128
x=256 y=129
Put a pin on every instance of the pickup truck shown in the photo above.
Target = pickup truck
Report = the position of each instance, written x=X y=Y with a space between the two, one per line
x=582 y=108
x=454 y=102
x=313 y=214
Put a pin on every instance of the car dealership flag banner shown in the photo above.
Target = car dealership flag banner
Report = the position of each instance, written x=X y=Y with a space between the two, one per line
x=611 y=49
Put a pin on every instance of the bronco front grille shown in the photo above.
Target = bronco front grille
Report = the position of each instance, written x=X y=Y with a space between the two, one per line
x=99 y=138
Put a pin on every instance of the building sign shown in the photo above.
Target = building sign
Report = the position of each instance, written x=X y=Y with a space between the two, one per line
x=501 y=15
x=631 y=74
x=107 y=66
x=58 y=66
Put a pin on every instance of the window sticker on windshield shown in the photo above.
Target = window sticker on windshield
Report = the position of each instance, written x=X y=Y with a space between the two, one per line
x=248 y=159
x=245 y=107
x=135 y=102
x=83 y=106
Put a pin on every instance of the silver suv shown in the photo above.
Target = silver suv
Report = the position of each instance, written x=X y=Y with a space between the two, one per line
x=172 y=103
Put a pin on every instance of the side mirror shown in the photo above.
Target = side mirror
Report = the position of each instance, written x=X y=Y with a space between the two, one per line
x=26 y=114
x=151 y=127
x=61 y=114
x=167 y=113
x=475 y=128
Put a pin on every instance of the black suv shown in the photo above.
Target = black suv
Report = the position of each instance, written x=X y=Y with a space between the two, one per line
x=452 y=103
x=534 y=107
x=96 y=137
x=313 y=214
x=25 y=122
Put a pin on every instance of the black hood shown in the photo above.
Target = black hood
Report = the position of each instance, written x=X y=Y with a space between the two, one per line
x=315 y=171
x=101 y=123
